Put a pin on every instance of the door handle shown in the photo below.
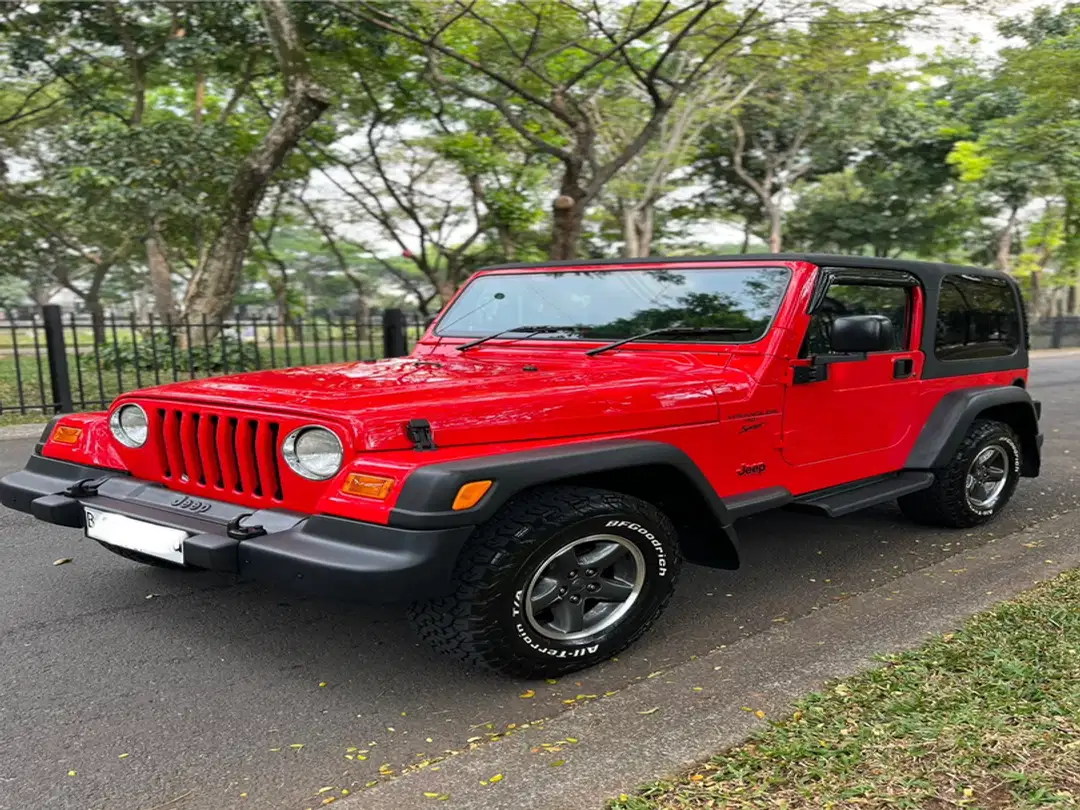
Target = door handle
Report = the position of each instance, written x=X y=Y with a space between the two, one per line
x=903 y=367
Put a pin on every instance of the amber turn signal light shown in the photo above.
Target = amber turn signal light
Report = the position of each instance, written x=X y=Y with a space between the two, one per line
x=65 y=434
x=470 y=494
x=368 y=486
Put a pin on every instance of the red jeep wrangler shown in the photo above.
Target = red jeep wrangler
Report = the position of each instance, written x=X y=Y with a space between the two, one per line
x=563 y=436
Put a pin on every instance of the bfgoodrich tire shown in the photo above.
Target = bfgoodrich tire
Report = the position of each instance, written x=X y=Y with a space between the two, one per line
x=975 y=485
x=560 y=579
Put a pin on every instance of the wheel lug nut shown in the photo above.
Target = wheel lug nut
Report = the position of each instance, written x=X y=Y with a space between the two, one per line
x=592 y=586
x=562 y=589
x=573 y=574
x=575 y=599
x=590 y=572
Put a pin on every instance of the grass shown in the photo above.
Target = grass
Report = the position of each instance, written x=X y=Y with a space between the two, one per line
x=988 y=717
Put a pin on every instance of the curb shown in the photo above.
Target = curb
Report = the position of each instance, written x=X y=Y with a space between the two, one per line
x=22 y=431
x=661 y=725
x=1042 y=353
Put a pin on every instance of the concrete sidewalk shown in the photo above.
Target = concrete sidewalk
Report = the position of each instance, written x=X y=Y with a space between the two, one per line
x=670 y=720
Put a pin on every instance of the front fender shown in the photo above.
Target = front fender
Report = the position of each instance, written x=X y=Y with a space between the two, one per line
x=705 y=521
x=428 y=492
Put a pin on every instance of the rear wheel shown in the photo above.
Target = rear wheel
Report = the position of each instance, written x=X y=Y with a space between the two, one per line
x=560 y=579
x=975 y=485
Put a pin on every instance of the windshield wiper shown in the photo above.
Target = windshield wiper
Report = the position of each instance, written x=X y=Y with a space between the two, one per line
x=673 y=330
x=530 y=330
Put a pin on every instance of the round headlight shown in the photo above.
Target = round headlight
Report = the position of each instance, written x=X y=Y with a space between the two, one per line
x=313 y=452
x=129 y=426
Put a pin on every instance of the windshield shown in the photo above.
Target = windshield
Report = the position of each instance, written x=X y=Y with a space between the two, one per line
x=614 y=304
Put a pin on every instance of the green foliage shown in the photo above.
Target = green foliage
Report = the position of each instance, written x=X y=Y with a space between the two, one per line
x=147 y=353
x=901 y=196
x=436 y=161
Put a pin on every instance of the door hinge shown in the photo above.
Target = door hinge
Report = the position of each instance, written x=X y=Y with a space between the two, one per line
x=420 y=434
x=810 y=374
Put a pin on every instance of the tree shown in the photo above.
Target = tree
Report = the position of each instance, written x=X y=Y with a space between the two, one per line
x=541 y=65
x=810 y=110
x=899 y=195
x=445 y=187
x=216 y=281
x=153 y=95
x=633 y=194
x=1044 y=132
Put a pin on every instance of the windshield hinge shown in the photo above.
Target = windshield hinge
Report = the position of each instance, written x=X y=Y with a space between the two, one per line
x=419 y=433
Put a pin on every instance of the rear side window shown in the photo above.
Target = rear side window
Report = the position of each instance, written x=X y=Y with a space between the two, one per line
x=978 y=317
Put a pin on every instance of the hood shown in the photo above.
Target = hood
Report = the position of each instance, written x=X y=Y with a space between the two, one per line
x=471 y=401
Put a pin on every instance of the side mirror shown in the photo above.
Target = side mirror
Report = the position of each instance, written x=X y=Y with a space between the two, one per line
x=859 y=334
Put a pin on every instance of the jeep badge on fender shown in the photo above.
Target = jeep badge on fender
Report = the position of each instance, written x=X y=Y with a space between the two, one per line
x=530 y=477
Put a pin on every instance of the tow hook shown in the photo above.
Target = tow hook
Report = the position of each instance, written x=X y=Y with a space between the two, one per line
x=86 y=488
x=238 y=532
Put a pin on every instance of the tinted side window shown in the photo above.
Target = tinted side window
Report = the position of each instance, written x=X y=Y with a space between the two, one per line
x=859 y=299
x=977 y=318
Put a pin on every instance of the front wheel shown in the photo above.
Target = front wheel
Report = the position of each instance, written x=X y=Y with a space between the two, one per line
x=558 y=580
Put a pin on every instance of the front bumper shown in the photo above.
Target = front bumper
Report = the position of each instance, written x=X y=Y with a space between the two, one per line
x=321 y=554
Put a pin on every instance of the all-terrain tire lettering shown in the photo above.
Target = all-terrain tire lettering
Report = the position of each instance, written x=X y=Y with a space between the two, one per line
x=483 y=621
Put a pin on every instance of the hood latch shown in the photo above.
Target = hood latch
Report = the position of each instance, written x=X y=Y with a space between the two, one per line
x=419 y=433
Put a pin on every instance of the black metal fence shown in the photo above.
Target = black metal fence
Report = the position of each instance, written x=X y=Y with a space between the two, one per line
x=52 y=363
x=1060 y=332
x=56 y=363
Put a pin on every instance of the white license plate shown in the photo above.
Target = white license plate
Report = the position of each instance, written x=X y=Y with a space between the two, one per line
x=136 y=535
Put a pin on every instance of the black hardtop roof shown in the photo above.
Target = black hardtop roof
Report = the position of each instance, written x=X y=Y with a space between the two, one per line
x=923 y=270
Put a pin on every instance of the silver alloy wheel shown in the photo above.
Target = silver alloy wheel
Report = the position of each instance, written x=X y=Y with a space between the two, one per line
x=585 y=587
x=987 y=477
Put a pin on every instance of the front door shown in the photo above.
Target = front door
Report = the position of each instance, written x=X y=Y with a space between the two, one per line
x=848 y=421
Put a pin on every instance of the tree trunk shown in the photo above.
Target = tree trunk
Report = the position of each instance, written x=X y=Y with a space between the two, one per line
x=216 y=282
x=1071 y=244
x=1034 y=302
x=775 y=227
x=745 y=238
x=638 y=231
x=506 y=241
x=568 y=216
x=630 y=233
x=281 y=303
x=363 y=317
x=446 y=289
x=160 y=273
x=1004 y=242
x=97 y=317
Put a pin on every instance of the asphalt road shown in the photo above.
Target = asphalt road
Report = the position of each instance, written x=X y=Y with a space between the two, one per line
x=131 y=688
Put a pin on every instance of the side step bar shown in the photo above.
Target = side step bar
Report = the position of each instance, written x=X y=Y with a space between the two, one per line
x=840 y=501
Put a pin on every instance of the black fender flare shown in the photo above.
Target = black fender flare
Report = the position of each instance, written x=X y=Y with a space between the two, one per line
x=952 y=417
x=428 y=492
